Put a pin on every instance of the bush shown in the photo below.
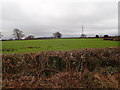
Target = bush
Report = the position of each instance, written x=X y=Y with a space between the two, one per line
x=47 y=64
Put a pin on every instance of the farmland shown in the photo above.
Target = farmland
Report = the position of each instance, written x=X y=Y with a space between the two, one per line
x=25 y=46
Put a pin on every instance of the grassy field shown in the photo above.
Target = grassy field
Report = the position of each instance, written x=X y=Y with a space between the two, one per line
x=25 y=46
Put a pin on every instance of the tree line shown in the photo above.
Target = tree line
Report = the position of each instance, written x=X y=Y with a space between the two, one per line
x=18 y=35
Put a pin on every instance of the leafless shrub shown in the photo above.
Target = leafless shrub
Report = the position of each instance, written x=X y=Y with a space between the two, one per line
x=36 y=69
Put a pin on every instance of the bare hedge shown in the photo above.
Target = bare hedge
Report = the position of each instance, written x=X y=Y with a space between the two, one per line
x=38 y=69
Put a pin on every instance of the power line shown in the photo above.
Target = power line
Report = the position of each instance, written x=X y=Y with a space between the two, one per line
x=82 y=30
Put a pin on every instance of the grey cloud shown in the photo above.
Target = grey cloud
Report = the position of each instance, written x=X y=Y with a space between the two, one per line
x=67 y=17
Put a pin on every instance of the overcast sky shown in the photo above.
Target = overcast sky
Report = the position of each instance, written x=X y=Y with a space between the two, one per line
x=44 y=17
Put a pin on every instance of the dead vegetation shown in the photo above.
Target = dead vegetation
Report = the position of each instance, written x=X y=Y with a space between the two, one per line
x=117 y=38
x=88 y=68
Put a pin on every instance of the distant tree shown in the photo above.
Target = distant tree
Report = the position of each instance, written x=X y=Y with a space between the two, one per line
x=101 y=36
x=1 y=35
x=10 y=39
x=83 y=35
x=97 y=36
x=57 y=35
x=18 y=34
x=106 y=36
x=30 y=37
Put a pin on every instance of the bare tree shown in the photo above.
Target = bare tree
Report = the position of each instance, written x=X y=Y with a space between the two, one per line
x=1 y=35
x=106 y=36
x=18 y=34
x=57 y=35
x=97 y=36
x=83 y=35
x=30 y=37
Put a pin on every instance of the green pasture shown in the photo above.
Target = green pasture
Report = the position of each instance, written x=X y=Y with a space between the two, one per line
x=25 y=46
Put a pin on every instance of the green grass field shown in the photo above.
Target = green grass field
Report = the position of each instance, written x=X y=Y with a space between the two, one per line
x=25 y=46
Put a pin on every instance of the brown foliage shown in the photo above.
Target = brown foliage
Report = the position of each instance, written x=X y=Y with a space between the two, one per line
x=88 y=68
x=117 y=38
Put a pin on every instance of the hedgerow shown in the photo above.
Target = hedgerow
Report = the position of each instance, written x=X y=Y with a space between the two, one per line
x=38 y=69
